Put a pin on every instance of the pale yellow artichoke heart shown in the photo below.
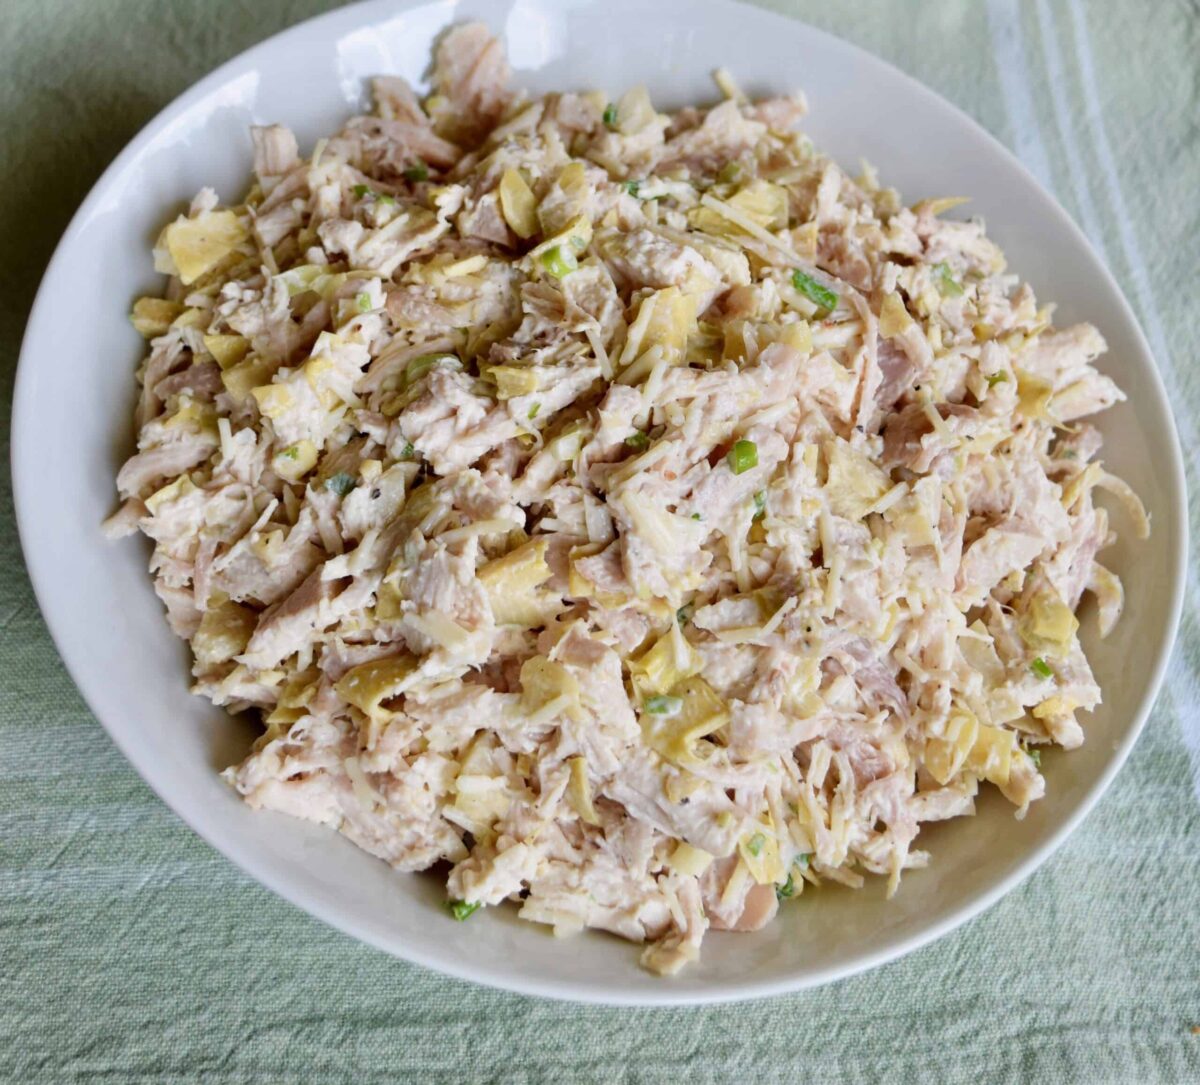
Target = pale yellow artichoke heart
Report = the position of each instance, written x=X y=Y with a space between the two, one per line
x=946 y=754
x=228 y=350
x=991 y=756
x=669 y=661
x=548 y=690
x=196 y=245
x=295 y=461
x=224 y=632
x=1055 y=709
x=579 y=791
x=369 y=685
x=274 y=400
x=759 y=850
x=242 y=378
x=854 y=483
x=567 y=198
x=689 y=860
x=511 y=583
x=940 y=204
x=665 y=319
x=482 y=796
x=518 y=204
x=635 y=111
x=1033 y=395
x=152 y=317
x=667 y=532
x=574 y=237
x=173 y=491
x=513 y=380
x=893 y=316
x=1080 y=484
x=766 y=204
x=674 y=737
x=1047 y=624
x=193 y=415
x=295 y=696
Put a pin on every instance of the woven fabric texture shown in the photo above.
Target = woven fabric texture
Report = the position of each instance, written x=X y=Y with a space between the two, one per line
x=131 y=952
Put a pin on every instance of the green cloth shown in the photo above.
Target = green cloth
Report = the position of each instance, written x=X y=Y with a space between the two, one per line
x=130 y=951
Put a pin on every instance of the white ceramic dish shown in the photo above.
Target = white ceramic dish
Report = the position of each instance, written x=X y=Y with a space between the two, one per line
x=72 y=429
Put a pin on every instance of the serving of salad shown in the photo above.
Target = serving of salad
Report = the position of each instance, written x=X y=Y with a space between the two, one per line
x=631 y=515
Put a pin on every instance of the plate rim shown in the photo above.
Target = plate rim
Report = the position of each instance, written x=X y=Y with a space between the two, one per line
x=365 y=13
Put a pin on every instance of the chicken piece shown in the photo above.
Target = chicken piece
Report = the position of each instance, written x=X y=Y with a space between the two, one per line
x=144 y=470
x=451 y=425
x=470 y=79
x=275 y=152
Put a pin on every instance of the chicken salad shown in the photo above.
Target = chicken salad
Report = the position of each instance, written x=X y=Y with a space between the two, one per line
x=630 y=514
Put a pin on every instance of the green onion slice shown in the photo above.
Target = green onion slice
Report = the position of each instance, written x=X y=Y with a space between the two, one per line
x=664 y=705
x=743 y=456
x=461 y=910
x=814 y=291
x=559 y=261
x=341 y=483
x=948 y=286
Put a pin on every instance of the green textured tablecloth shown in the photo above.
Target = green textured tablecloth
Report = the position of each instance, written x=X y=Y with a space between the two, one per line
x=130 y=951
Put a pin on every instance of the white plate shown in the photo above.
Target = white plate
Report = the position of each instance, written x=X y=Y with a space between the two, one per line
x=74 y=401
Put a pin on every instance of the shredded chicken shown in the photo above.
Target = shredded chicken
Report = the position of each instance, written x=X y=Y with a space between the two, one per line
x=631 y=511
